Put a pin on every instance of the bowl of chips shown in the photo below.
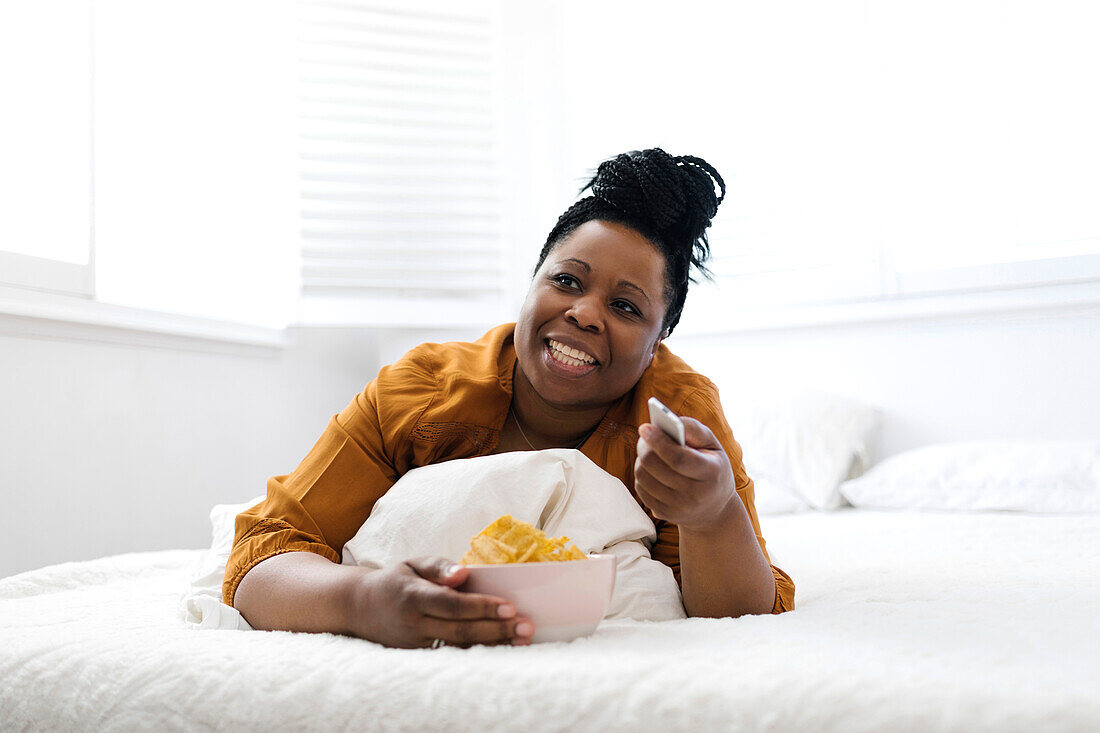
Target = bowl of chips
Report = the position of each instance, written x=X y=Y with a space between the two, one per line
x=564 y=592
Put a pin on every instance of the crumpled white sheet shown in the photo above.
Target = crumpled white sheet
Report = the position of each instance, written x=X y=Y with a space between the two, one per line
x=201 y=603
x=435 y=510
x=905 y=622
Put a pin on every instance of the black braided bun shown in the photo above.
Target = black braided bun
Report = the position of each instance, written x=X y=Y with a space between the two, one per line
x=669 y=200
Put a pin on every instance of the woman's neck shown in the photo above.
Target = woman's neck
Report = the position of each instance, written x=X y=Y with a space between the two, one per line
x=544 y=425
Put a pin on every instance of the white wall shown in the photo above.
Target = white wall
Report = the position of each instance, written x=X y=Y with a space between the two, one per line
x=1007 y=375
x=108 y=448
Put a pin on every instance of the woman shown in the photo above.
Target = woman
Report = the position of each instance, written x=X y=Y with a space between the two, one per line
x=575 y=371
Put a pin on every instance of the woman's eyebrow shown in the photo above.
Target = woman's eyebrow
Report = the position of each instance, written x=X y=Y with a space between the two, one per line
x=632 y=286
x=587 y=267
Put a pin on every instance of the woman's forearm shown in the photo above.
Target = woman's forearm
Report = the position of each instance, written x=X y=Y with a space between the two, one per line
x=297 y=591
x=723 y=571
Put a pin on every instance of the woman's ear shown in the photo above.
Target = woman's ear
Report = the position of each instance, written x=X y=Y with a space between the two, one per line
x=657 y=345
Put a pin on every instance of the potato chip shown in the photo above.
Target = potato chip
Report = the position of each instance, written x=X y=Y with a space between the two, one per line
x=508 y=540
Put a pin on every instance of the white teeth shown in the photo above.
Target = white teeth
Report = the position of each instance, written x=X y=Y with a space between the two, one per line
x=569 y=355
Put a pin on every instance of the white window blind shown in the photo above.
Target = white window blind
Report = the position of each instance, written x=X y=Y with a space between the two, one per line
x=400 y=177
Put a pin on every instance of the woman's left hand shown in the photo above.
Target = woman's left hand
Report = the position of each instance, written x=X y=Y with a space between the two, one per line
x=689 y=486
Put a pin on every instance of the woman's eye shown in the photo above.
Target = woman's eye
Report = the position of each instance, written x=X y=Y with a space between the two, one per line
x=567 y=280
x=627 y=306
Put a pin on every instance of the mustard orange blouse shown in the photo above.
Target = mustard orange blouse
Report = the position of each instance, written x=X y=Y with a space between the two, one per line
x=445 y=401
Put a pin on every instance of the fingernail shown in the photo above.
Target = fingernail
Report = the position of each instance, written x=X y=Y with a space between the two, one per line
x=451 y=570
x=506 y=611
x=523 y=628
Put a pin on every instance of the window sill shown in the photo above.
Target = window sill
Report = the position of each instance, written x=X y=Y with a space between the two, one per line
x=36 y=314
x=1065 y=299
x=365 y=311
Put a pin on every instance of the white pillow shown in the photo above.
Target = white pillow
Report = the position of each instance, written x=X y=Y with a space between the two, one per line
x=1026 y=476
x=435 y=510
x=804 y=446
x=771 y=498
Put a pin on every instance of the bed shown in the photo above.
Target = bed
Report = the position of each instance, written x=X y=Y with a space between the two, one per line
x=906 y=620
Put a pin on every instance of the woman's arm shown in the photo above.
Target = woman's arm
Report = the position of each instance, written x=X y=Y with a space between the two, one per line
x=297 y=591
x=408 y=605
x=723 y=570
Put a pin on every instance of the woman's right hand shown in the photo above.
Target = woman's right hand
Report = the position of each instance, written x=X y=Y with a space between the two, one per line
x=413 y=603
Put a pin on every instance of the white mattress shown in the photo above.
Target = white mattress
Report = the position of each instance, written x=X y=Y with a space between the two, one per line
x=904 y=622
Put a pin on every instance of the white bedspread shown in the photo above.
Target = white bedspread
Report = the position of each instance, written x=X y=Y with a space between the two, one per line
x=904 y=622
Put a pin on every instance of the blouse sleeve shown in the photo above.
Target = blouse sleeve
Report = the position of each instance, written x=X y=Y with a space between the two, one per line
x=324 y=501
x=707 y=409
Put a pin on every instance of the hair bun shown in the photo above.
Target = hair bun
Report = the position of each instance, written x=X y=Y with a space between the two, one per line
x=675 y=193
x=669 y=200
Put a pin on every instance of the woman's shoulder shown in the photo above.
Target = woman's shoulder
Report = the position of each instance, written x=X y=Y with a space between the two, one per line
x=490 y=358
x=473 y=359
x=674 y=382
x=453 y=382
x=436 y=389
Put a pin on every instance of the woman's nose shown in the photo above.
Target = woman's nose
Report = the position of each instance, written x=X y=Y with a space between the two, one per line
x=585 y=314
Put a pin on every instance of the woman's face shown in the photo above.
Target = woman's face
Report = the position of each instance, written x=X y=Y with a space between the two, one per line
x=592 y=319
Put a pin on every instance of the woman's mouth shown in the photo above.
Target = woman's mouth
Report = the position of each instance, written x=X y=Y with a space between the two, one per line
x=569 y=360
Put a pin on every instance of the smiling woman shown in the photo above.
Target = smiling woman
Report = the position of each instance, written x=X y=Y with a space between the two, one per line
x=589 y=326
x=575 y=371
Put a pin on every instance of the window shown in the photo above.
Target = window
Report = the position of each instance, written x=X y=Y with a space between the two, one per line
x=46 y=146
x=178 y=121
x=401 y=188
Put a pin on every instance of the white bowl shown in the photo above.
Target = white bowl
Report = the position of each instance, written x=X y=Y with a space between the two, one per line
x=564 y=600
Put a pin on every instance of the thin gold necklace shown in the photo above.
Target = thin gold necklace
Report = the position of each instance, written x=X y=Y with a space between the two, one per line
x=528 y=442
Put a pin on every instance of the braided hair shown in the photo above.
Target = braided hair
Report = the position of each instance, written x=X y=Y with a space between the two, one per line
x=669 y=200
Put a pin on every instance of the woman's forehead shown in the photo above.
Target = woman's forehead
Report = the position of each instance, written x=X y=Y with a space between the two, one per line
x=599 y=245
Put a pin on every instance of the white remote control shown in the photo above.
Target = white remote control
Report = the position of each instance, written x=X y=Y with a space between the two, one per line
x=666 y=420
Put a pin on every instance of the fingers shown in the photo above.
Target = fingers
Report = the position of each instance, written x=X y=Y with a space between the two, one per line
x=654 y=444
x=667 y=461
x=439 y=570
x=458 y=617
x=516 y=631
x=648 y=465
x=446 y=603
x=698 y=435
x=654 y=486
x=658 y=498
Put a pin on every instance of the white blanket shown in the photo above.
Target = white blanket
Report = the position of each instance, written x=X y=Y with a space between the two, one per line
x=905 y=622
